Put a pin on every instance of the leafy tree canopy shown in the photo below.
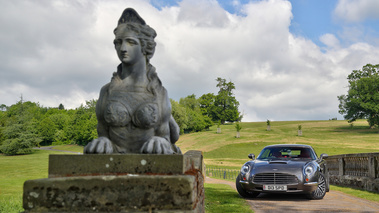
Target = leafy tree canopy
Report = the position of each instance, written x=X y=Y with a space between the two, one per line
x=362 y=99
x=225 y=104
x=25 y=125
x=195 y=119
x=19 y=133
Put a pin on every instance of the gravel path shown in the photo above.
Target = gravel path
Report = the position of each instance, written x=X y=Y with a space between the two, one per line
x=334 y=201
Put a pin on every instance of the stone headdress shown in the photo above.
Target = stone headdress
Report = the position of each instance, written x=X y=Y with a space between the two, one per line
x=130 y=15
x=134 y=21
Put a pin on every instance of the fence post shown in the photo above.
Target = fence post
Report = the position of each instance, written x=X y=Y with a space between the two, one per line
x=371 y=167
x=224 y=174
x=341 y=166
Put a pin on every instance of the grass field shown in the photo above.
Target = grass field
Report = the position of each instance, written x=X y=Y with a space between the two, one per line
x=222 y=150
x=15 y=170
x=221 y=198
x=331 y=137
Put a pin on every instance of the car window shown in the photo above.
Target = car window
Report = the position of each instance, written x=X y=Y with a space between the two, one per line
x=286 y=153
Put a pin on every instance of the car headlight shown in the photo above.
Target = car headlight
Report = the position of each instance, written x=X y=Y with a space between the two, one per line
x=309 y=171
x=245 y=169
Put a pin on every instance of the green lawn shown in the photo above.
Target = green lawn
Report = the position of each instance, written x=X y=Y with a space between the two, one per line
x=222 y=198
x=71 y=148
x=331 y=137
x=15 y=170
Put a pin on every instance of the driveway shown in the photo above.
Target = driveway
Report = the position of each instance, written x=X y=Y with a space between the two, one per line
x=334 y=201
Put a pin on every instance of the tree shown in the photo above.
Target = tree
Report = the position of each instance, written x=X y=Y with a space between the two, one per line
x=179 y=113
x=196 y=121
x=207 y=106
x=83 y=127
x=238 y=128
x=225 y=104
x=46 y=130
x=362 y=99
x=60 y=107
x=3 y=107
x=190 y=102
x=19 y=133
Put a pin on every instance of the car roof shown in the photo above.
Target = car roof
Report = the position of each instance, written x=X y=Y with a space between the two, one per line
x=289 y=146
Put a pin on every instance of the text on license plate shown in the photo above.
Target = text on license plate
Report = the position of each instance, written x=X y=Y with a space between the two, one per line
x=275 y=187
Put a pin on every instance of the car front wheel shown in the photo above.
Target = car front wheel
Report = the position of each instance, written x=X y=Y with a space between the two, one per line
x=242 y=192
x=319 y=193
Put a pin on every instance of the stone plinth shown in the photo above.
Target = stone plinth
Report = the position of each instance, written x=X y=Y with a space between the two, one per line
x=119 y=183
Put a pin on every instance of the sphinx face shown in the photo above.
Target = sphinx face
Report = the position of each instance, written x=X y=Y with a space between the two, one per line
x=128 y=47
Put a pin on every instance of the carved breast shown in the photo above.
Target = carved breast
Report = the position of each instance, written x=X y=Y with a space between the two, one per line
x=131 y=108
x=116 y=114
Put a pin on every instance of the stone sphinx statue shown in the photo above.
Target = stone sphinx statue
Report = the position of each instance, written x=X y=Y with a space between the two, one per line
x=133 y=110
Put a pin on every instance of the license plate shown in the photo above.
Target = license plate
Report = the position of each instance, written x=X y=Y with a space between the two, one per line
x=275 y=187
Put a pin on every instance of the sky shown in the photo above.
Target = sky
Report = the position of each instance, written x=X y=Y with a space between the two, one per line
x=288 y=59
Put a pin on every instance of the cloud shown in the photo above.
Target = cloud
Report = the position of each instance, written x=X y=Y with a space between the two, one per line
x=357 y=10
x=330 y=40
x=62 y=52
x=202 y=13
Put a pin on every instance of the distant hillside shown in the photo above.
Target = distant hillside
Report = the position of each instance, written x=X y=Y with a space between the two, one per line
x=332 y=137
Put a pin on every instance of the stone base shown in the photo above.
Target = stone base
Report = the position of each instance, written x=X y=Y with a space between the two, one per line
x=119 y=183
x=362 y=183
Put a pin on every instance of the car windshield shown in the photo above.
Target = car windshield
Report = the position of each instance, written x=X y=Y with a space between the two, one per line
x=282 y=153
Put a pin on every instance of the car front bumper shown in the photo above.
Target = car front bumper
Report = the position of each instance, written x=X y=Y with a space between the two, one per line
x=300 y=187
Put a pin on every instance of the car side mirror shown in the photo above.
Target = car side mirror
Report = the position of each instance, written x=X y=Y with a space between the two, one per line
x=323 y=156
x=251 y=156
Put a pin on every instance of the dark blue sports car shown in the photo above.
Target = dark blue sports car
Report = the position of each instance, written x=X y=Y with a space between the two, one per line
x=286 y=168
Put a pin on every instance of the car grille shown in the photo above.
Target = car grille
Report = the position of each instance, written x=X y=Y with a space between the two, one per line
x=275 y=178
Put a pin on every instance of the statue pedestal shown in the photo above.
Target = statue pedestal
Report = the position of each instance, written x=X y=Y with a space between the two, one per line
x=119 y=183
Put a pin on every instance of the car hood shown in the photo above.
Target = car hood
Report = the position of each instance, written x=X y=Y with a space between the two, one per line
x=279 y=166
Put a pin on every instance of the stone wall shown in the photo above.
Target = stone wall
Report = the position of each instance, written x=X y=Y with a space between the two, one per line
x=119 y=183
x=359 y=171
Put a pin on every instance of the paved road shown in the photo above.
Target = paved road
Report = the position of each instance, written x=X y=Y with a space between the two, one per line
x=333 y=201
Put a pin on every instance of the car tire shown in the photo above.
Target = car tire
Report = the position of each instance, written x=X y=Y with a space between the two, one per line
x=242 y=192
x=320 y=192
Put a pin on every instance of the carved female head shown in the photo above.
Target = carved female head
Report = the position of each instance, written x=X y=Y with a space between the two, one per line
x=131 y=23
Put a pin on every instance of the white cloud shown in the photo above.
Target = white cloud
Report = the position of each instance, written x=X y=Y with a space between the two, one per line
x=330 y=40
x=357 y=10
x=202 y=13
x=63 y=53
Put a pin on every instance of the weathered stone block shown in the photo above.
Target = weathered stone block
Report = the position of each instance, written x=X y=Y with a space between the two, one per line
x=111 y=193
x=119 y=183
x=116 y=164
